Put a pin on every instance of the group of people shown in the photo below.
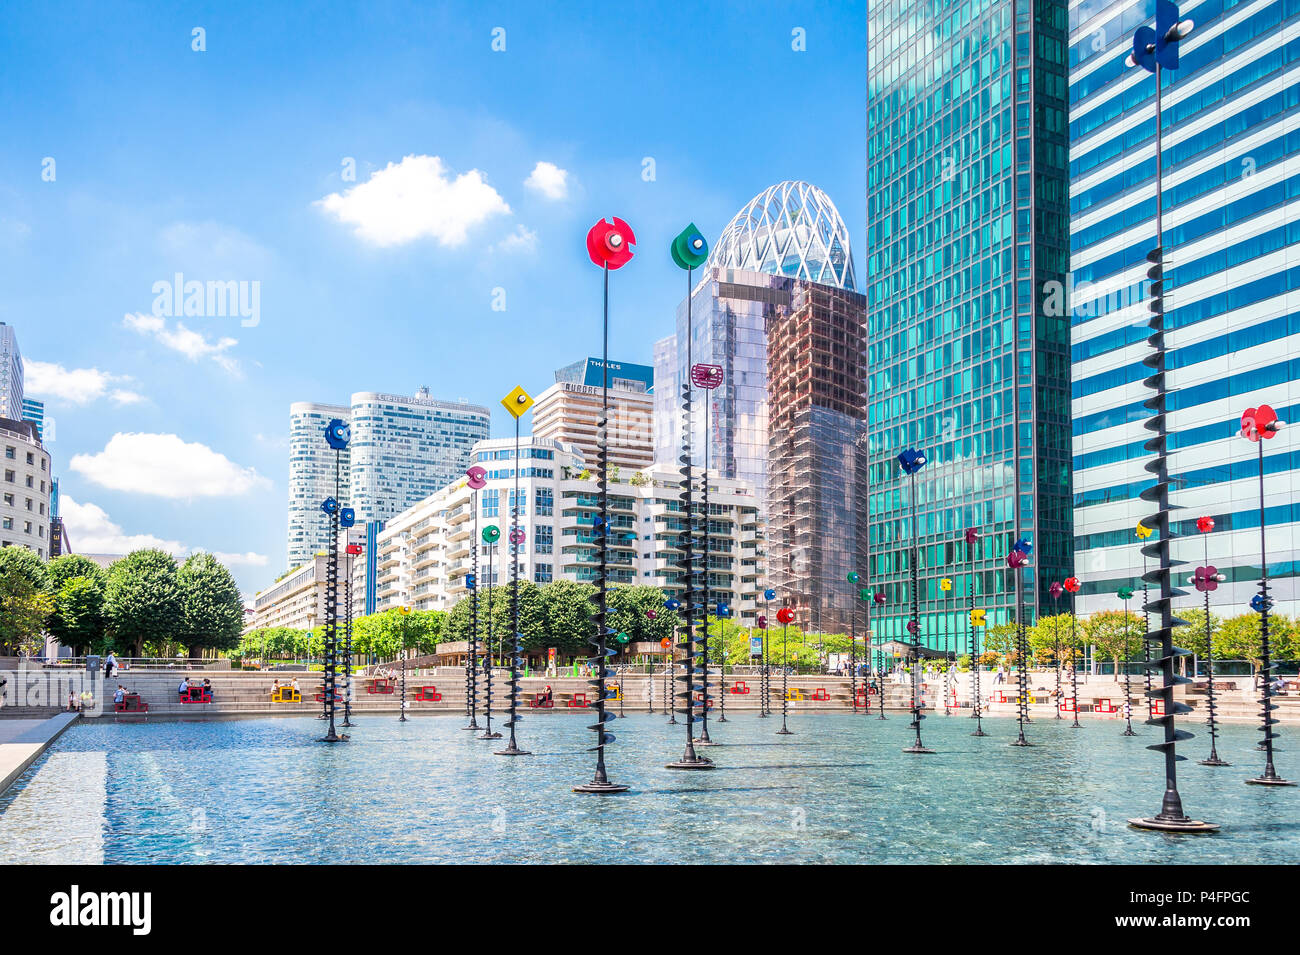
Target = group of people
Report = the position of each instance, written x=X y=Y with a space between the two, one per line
x=186 y=685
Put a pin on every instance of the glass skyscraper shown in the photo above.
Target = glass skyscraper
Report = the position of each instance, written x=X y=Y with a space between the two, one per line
x=968 y=344
x=1232 y=251
x=775 y=308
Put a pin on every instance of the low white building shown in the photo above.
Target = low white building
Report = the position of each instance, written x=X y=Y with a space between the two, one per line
x=425 y=552
x=25 y=486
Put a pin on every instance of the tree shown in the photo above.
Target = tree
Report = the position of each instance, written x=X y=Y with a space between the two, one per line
x=1117 y=634
x=568 y=606
x=629 y=607
x=213 y=611
x=78 y=619
x=1000 y=640
x=1049 y=638
x=25 y=603
x=143 y=602
x=1192 y=636
x=1239 y=638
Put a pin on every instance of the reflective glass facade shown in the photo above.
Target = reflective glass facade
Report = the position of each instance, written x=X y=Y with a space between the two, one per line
x=1232 y=236
x=968 y=337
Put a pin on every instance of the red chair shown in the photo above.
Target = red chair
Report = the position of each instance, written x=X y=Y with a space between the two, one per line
x=1068 y=706
x=820 y=695
x=739 y=688
x=131 y=704
x=379 y=685
x=1158 y=708
x=428 y=694
x=699 y=700
x=1104 y=705
x=578 y=702
x=541 y=702
x=196 y=694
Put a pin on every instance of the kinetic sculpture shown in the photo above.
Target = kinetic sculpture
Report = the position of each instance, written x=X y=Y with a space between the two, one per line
x=1258 y=425
x=1017 y=560
x=853 y=578
x=1207 y=579
x=783 y=617
x=945 y=587
x=476 y=479
x=337 y=435
x=879 y=599
x=1072 y=587
x=706 y=378
x=723 y=613
x=347 y=520
x=1056 y=590
x=764 y=672
x=912 y=461
x=1157 y=50
x=672 y=604
x=688 y=251
x=1126 y=594
x=403 y=612
x=491 y=534
x=1142 y=532
x=977 y=619
x=517 y=403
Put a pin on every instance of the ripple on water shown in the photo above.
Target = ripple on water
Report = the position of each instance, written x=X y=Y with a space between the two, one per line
x=840 y=790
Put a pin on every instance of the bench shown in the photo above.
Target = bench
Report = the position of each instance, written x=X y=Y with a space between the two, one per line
x=320 y=697
x=428 y=694
x=131 y=703
x=539 y=701
x=381 y=684
x=739 y=688
x=577 y=701
x=820 y=695
x=1103 y=705
x=794 y=694
x=196 y=694
x=285 y=694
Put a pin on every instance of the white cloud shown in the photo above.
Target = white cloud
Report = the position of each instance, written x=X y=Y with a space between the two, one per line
x=193 y=345
x=165 y=466
x=416 y=198
x=78 y=386
x=521 y=240
x=233 y=560
x=549 y=179
x=91 y=531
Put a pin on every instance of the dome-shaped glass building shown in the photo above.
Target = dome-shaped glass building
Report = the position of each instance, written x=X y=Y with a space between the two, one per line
x=791 y=229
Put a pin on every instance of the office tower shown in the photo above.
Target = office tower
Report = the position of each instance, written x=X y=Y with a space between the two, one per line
x=967 y=355
x=406 y=448
x=780 y=278
x=1231 y=137
x=11 y=374
x=34 y=411
x=402 y=449
x=312 y=477
x=570 y=409
x=425 y=552
x=816 y=493
x=25 y=488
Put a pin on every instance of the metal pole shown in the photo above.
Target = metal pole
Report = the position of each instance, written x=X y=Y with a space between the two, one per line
x=471 y=658
x=1213 y=759
x=785 y=690
x=487 y=650
x=1269 y=777
x=914 y=629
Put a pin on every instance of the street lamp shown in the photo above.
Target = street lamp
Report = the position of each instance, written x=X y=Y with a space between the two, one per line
x=1258 y=425
x=911 y=461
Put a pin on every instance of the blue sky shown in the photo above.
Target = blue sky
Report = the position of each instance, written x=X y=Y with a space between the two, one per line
x=221 y=165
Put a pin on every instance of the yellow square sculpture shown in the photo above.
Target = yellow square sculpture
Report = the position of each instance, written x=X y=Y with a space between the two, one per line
x=517 y=402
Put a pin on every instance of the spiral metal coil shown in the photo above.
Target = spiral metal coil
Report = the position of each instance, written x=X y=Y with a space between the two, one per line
x=1211 y=703
x=600 y=639
x=1160 y=640
x=976 y=707
x=471 y=658
x=691 y=597
x=488 y=732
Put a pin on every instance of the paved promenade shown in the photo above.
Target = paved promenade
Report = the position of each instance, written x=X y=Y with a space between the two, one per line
x=22 y=741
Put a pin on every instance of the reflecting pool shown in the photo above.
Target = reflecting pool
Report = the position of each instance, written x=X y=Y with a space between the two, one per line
x=839 y=790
